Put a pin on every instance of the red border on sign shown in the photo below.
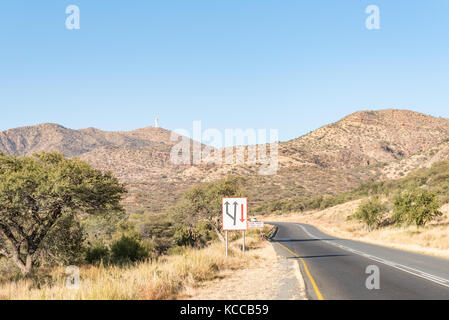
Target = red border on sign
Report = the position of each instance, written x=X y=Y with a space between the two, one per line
x=222 y=214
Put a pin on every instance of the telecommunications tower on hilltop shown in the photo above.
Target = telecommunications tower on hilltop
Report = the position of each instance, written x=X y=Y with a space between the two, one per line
x=156 y=122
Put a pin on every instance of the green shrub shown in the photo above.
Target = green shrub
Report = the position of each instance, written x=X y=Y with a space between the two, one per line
x=416 y=206
x=128 y=249
x=370 y=212
x=97 y=254
x=204 y=233
x=197 y=236
x=184 y=237
x=159 y=230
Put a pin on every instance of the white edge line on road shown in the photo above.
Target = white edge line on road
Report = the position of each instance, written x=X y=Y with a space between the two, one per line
x=415 y=272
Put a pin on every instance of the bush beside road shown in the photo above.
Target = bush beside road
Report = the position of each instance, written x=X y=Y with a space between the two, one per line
x=431 y=239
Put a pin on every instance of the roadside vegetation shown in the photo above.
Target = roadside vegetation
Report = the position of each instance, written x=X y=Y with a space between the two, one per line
x=410 y=213
x=154 y=279
x=301 y=204
x=56 y=212
x=416 y=206
x=414 y=198
x=370 y=212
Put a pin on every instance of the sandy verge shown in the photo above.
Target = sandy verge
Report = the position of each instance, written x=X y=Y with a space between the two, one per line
x=266 y=277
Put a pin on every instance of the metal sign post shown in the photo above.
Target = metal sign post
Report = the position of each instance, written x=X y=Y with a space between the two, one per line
x=226 y=235
x=243 y=245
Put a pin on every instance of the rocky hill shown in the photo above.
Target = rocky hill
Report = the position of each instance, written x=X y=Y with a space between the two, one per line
x=363 y=146
x=139 y=158
x=369 y=137
x=53 y=137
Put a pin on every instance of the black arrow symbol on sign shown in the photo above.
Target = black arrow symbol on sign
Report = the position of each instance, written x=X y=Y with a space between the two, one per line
x=235 y=211
x=233 y=217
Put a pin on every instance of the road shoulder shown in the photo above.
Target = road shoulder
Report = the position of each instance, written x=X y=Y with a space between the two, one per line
x=266 y=277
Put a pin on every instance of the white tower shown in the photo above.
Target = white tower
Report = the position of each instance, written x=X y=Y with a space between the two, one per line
x=156 y=122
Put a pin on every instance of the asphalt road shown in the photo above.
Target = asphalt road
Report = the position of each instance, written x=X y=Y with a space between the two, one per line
x=335 y=268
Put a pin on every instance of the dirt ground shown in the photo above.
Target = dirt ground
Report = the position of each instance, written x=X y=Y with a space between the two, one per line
x=267 y=277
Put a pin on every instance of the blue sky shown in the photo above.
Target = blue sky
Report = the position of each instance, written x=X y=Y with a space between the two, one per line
x=284 y=64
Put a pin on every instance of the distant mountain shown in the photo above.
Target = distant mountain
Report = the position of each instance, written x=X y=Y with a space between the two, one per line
x=139 y=158
x=362 y=146
x=369 y=137
x=53 y=137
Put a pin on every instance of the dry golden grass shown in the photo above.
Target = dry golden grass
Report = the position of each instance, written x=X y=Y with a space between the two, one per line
x=262 y=279
x=432 y=239
x=157 y=280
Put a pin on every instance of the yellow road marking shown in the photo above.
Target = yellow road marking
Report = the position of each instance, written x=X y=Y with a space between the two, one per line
x=315 y=287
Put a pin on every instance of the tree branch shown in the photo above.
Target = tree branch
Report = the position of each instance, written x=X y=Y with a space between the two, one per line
x=4 y=253
x=37 y=237
x=7 y=232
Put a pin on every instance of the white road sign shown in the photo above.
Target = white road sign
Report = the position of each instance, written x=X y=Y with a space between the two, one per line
x=235 y=214
x=255 y=224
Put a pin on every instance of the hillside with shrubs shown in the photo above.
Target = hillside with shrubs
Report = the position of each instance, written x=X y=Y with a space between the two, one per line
x=410 y=213
x=364 y=146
